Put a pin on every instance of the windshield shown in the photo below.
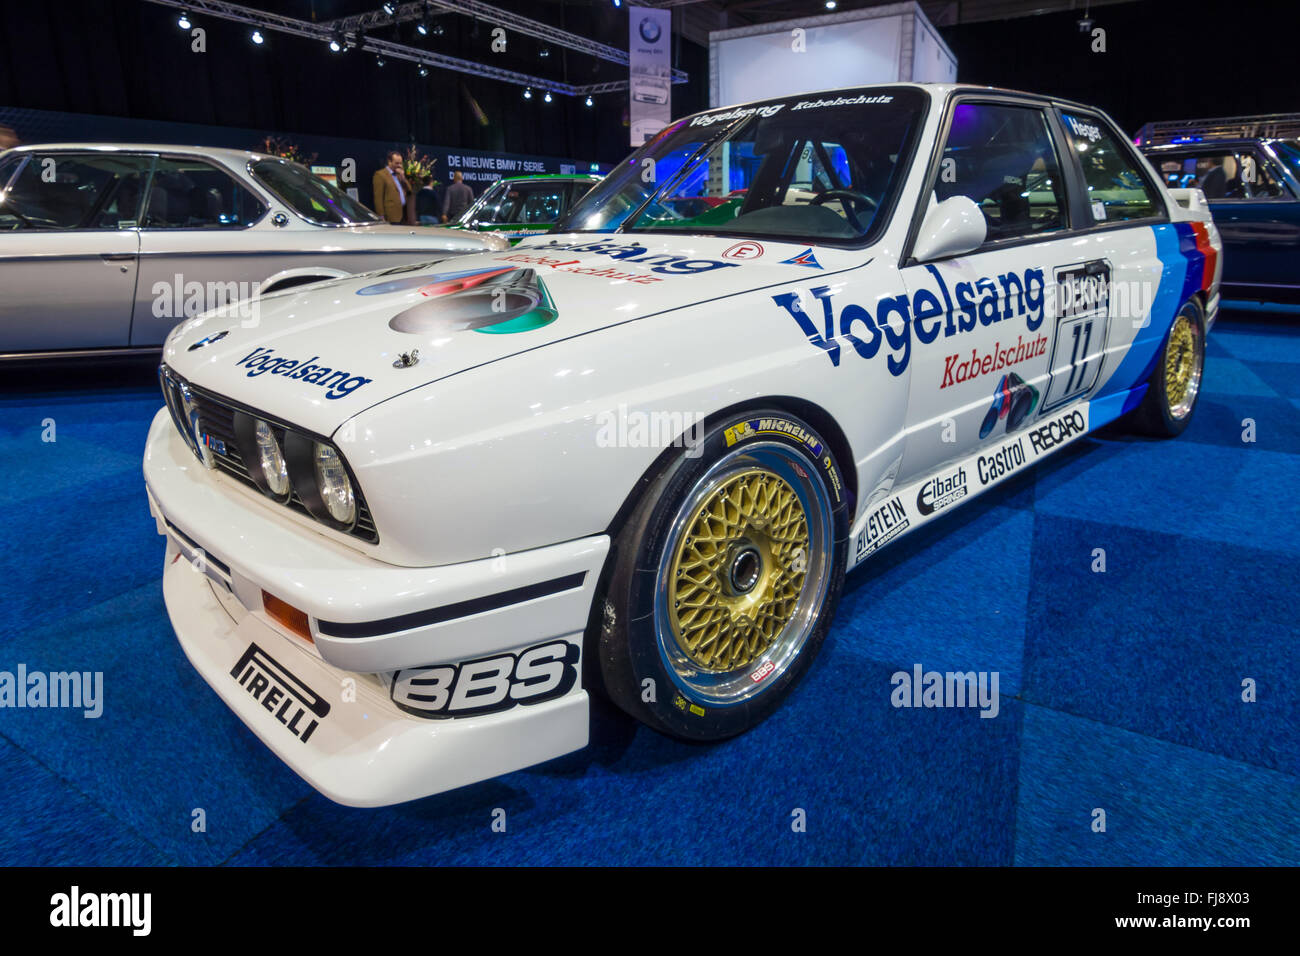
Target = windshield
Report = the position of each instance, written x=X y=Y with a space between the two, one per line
x=532 y=202
x=1288 y=150
x=813 y=168
x=310 y=196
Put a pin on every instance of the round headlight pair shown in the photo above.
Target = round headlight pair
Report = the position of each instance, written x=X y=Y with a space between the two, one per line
x=281 y=461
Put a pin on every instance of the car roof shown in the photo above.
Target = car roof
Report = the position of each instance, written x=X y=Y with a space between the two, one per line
x=936 y=90
x=542 y=177
x=237 y=156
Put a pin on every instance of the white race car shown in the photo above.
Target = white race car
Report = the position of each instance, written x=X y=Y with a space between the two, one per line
x=415 y=517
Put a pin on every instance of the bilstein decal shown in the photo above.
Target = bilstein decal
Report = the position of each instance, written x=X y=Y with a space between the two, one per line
x=635 y=253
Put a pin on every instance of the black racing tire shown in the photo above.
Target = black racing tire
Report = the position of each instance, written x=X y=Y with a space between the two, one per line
x=1175 y=383
x=717 y=535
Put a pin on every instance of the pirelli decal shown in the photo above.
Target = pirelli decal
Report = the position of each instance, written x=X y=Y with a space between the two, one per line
x=299 y=708
x=904 y=509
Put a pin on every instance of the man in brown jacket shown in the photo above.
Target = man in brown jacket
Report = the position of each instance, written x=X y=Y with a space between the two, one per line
x=390 y=189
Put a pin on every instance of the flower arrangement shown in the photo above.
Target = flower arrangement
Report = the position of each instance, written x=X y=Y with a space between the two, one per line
x=274 y=146
x=418 y=168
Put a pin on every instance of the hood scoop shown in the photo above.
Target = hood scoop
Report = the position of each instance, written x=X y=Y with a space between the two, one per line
x=493 y=301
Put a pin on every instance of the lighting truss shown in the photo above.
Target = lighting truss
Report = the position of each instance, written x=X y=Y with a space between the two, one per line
x=324 y=32
x=493 y=17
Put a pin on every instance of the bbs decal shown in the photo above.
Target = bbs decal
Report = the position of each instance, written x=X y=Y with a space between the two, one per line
x=490 y=684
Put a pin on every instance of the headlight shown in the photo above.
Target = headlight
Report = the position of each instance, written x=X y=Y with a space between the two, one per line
x=333 y=484
x=274 y=468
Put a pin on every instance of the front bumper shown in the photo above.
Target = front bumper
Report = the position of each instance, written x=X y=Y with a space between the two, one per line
x=325 y=706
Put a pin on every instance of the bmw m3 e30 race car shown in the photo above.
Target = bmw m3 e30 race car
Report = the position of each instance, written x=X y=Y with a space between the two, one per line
x=415 y=517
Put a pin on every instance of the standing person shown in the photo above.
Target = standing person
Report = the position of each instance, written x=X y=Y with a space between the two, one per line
x=427 y=203
x=391 y=189
x=459 y=198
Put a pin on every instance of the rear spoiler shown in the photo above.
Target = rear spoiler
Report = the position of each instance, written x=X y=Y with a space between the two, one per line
x=1193 y=200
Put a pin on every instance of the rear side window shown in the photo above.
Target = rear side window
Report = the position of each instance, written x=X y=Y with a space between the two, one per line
x=1117 y=190
x=1220 y=174
x=192 y=194
x=1003 y=159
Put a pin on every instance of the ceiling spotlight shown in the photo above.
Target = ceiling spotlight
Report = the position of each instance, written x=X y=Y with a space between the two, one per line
x=1085 y=24
x=423 y=70
x=589 y=101
x=336 y=46
x=389 y=8
x=257 y=37
x=438 y=29
x=422 y=27
x=618 y=3
x=183 y=21
x=380 y=61
x=528 y=93
x=544 y=52
x=547 y=97
x=830 y=4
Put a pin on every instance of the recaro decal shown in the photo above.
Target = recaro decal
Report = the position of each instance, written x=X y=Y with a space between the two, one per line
x=898 y=317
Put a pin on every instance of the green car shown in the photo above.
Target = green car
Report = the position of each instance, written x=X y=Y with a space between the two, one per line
x=524 y=205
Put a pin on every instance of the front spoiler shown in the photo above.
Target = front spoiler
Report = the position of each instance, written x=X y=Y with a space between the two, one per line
x=335 y=729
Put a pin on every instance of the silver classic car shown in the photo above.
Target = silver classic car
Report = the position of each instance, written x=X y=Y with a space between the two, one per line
x=104 y=248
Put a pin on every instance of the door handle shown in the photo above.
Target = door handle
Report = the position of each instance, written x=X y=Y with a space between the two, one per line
x=118 y=256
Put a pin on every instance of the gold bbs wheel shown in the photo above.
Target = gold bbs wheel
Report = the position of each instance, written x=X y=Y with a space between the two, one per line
x=743 y=573
x=1182 y=366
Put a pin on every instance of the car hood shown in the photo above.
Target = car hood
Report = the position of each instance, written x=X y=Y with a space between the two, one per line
x=317 y=355
x=424 y=237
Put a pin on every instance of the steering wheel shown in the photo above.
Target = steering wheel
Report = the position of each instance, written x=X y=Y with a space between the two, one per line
x=852 y=196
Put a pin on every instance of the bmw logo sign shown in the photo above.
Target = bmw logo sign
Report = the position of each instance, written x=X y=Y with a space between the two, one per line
x=649 y=30
x=216 y=337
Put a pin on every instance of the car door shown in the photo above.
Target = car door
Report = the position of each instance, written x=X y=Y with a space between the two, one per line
x=196 y=251
x=69 y=250
x=986 y=322
x=1255 y=209
x=1152 y=267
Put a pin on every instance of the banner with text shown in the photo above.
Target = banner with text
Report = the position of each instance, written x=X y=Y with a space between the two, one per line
x=650 y=72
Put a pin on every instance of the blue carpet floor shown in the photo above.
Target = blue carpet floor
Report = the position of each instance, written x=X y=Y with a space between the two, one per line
x=1121 y=691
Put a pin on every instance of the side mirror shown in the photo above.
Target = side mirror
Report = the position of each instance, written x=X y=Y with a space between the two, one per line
x=950 y=228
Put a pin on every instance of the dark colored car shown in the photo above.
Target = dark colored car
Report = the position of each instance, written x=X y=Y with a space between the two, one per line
x=1253 y=188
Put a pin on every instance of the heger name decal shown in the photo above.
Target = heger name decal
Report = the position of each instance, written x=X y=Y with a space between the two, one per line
x=340 y=384
x=986 y=301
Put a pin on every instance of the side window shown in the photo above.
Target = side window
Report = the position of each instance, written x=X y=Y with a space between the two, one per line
x=1117 y=190
x=1003 y=159
x=71 y=191
x=192 y=194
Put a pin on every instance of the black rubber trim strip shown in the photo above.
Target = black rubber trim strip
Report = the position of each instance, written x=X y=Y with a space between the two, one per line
x=194 y=545
x=449 y=612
